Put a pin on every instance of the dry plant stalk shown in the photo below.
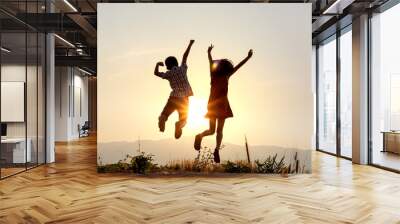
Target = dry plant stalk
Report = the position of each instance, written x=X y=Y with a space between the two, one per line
x=247 y=149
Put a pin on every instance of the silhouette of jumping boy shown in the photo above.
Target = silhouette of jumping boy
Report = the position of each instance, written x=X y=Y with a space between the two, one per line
x=181 y=91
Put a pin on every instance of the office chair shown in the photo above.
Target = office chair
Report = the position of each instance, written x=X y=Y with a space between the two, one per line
x=84 y=130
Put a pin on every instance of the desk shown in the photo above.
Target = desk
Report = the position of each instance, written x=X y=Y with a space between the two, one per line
x=13 y=150
x=391 y=142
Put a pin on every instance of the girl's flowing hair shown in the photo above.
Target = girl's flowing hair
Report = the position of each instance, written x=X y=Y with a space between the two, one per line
x=223 y=67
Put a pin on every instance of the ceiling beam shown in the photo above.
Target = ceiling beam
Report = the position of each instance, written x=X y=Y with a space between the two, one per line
x=86 y=26
x=81 y=61
x=337 y=7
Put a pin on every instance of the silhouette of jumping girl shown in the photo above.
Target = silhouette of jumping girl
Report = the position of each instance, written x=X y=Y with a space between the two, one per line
x=218 y=108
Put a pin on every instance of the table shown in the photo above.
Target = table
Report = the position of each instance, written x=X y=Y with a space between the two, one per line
x=391 y=141
x=13 y=150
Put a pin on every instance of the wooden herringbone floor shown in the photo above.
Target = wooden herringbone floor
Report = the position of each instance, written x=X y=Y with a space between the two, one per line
x=70 y=191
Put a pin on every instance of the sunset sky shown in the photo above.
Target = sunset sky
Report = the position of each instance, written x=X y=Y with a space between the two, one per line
x=271 y=96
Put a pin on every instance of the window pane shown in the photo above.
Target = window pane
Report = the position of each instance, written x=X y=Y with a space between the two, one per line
x=346 y=93
x=327 y=96
x=386 y=89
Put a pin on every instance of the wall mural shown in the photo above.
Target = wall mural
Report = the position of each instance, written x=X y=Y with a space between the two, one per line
x=205 y=87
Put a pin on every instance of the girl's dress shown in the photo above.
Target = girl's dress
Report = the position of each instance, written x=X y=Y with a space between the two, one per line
x=218 y=103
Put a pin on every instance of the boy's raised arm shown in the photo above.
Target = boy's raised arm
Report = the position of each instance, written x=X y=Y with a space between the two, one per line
x=186 y=54
x=210 y=60
x=156 y=72
x=250 y=54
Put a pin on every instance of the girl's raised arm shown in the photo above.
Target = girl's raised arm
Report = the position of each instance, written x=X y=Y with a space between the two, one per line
x=210 y=60
x=249 y=55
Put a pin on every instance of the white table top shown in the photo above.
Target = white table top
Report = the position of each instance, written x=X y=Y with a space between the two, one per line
x=13 y=140
x=390 y=132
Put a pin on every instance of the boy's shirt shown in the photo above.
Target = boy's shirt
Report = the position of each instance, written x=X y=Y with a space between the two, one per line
x=178 y=81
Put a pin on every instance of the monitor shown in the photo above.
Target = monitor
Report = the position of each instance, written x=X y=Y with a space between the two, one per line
x=3 y=129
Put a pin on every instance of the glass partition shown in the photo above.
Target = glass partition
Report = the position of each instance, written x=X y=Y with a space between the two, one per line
x=14 y=153
x=22 y=78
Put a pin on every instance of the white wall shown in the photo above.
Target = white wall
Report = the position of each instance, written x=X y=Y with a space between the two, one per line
x=71 y=94
x=62 y=81
x=12 y=73
x=80 y=110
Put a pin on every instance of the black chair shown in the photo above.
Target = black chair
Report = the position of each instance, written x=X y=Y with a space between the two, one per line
x=84 y=130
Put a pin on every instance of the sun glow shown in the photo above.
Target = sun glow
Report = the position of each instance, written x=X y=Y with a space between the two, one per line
x=197 y=111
